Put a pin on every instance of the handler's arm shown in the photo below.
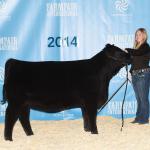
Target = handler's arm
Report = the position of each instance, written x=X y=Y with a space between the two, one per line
x=141 y=51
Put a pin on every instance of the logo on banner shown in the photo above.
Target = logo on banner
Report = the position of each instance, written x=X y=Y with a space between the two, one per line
x=4 y=9
x=121 y=6
x=3 y=4
x=1 y=75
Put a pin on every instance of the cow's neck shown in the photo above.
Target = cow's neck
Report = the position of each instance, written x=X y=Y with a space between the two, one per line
x=105 y=65
x=112 y=68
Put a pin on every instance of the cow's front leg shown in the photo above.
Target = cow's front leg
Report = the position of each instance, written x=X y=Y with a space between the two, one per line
x=24 y=120
x=85 y=120
x=92 y=114
x=11 y=117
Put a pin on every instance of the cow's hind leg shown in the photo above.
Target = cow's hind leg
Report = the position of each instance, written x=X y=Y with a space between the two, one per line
x=24 y=120
x=85 y=120
x=11 y=116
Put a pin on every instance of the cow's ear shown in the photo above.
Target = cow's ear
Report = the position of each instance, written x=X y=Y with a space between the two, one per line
x=108 y=45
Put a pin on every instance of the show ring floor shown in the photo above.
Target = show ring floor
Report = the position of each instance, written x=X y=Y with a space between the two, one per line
x=69 y=135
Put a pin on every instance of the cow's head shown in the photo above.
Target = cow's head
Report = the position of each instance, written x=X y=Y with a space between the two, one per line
x=117 y=55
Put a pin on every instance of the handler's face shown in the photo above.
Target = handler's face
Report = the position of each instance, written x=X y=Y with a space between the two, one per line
x=139 y=37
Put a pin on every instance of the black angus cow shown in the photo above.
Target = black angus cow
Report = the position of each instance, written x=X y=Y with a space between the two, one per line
x=53 y=86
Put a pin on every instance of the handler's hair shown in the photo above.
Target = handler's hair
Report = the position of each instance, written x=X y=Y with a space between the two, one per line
x=144 y=32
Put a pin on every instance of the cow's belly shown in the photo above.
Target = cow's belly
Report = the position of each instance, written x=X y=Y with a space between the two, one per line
x=50 y=109
x=53 y=103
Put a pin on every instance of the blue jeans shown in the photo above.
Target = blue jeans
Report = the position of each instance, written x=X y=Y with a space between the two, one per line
x=141 y=84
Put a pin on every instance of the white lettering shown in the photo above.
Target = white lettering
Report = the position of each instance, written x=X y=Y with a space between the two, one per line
x=115 y=107
x=123 y=40
x=62 y=9
x=8 y=43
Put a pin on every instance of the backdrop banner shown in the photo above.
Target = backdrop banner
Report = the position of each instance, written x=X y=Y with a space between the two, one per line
x=62 y=30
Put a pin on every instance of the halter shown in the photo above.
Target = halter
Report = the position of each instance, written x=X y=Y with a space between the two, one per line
x=112 y=57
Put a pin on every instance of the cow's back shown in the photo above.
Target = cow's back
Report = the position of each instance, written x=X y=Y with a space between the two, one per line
x=46 y=70
x=48 y=76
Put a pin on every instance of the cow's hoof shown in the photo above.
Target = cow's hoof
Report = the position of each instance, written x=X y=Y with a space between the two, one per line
x=8 y=139
x=30 y=133
x=94 y=132
x=86 y=129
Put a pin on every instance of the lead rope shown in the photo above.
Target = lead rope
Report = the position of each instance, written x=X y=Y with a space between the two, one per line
x=111 y=97
x=126 y=81
x=124 y=97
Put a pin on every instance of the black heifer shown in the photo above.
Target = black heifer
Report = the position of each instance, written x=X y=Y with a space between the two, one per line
x=53 y=86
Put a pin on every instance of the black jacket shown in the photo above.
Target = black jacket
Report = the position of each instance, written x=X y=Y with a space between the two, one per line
x=140 y=57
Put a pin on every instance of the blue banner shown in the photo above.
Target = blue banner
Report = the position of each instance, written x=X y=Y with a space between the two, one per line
x=61 y=30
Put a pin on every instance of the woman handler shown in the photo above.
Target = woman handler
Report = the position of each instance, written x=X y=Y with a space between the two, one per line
x=140 y=72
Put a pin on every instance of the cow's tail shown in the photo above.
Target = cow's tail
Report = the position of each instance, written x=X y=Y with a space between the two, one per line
x=7 y=70
x=3 y=101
